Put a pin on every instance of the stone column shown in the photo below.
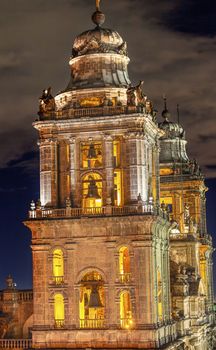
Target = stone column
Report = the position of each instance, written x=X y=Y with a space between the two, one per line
x=137 y=163
x=73 y=169
x=109 y=170
x=48 y=172
x=156 y=173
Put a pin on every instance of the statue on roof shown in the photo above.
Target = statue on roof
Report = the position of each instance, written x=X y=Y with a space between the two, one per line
x=131 y=95
x=46 y=101
x=141 y=98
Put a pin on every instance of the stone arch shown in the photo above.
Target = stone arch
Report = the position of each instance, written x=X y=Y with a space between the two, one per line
x=89 y=269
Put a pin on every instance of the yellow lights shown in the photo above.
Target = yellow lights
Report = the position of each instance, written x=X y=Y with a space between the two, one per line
x=59 y=314
x=116 y=153
x=91 y=155
x=91 y=102
x=58 y=266
x=159 y=295
x=124 y=261
x=166 y=171
x=117 y=174
x=91 y=306
x=117 y=187
x=92 y=191
x=126 y=319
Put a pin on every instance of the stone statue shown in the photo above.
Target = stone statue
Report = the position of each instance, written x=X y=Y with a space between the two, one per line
x=141 y=99
x=186 y=214
x=47 y=101
x=131 y=96
x=135 y=96
x=68 y=202
x=149 y=107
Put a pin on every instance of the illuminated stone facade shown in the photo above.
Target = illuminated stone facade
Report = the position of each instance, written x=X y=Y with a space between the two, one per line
x=118 y=262
x=182 y=196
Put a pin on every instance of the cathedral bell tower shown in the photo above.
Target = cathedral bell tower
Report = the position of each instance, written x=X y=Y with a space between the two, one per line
x=99 y=238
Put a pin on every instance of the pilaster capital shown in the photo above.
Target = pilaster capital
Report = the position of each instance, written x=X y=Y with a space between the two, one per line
x=47 y=142
x=72 y=140
x=107 y=137
x=131 y=135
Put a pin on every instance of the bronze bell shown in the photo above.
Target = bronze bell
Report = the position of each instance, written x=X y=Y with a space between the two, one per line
x=92 y=189
x=92 y=152
x=94 y=300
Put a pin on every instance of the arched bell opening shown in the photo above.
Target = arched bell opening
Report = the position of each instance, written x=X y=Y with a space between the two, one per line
x=92 y=301
x=92 y=190
x=126 y=318
x=58 y=266
x=124 y=264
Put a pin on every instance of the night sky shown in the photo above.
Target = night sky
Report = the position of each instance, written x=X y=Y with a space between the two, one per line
x=172 y=46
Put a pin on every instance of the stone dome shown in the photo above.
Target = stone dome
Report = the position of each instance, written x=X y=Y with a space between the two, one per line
x=99 y=40
x=172 y=130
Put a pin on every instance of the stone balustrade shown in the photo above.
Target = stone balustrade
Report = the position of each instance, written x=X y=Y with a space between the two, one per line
x=25 y=295
x=143 y=209
x=15 y=343
x=71 y=113
x=92 y=323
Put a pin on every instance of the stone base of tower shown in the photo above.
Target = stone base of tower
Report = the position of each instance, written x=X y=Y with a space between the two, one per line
x=92 y=248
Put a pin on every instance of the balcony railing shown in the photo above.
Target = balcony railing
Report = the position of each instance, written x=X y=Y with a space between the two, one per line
x=71 y=113
x=124 y=277
x=58 y=280
x=15 y=343
x=144 y=209
x=59 y=323
x=92 y=323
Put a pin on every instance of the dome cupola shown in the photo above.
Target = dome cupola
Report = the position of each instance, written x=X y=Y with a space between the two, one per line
x=172 y=142
x=99 y=58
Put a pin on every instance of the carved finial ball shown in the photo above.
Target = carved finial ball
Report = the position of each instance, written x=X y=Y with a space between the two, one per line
x=98 y=18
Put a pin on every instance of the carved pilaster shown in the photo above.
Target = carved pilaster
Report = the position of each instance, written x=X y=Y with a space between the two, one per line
x=109 y=170
x=48 y=172
x=73 y=167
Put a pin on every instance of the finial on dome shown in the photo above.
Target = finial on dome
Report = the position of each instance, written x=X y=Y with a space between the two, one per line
x=178 y=113
x=97 y=5
x=98 y=17
x=165 y=113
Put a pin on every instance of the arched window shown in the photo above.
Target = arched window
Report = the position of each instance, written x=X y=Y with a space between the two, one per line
x=59 y=313
x=160 y=292
x=92 y=190
x=126 y=318
x=124 y=264
x=92 y=301
x=58 y=266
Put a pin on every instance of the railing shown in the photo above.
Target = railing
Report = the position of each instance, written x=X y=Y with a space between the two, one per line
x=146 y=209
x=126 y=323
x=58 y=280
x=124 y=277
x=59 y=323
x=15 y=343
x=91 y=112
x=25 y=296
x=92 y=323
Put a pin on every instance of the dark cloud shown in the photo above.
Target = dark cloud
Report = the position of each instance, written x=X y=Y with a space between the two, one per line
x=12 y=189
x=207 y=138
x=195 y=17
x=35 y=45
